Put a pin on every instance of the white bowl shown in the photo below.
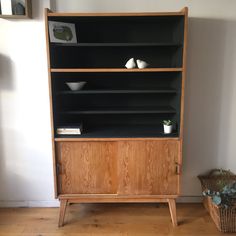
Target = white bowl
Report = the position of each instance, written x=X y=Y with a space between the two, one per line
x=76 y=85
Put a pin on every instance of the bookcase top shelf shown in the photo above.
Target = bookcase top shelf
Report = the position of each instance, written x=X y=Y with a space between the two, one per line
x=72 y=14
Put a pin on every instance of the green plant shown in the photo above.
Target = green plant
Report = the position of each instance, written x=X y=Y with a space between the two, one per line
x=224 y=176
x=225 y=198
x=167 y=122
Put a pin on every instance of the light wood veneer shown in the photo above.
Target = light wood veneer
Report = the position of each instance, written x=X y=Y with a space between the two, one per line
x=117 y=169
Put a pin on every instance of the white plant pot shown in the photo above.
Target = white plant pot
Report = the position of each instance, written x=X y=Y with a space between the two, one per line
x=168 y=129
x=130 y=64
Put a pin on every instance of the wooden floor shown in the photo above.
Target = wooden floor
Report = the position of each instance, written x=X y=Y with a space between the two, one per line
x=108 y=219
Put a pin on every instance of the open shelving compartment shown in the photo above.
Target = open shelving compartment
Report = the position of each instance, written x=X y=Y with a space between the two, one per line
x=108 y=42
x=119 y=102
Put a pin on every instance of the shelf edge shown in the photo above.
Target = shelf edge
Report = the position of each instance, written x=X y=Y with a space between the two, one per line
x=114 y=139
x=74 y=70
x=117 y=14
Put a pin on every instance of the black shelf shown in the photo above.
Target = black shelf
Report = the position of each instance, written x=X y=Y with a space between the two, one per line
x=121 y=70
x=115 y=57
x=119 y=102
x=122 y=131
x=164 y=44
x=157 y=91
x=122 y=110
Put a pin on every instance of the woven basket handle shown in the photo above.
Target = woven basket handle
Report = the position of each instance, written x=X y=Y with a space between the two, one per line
x=219 y=172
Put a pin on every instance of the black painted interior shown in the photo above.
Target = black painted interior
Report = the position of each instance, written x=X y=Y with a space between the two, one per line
x=119 y=104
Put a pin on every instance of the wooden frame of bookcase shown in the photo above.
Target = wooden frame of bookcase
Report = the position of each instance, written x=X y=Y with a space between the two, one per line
x=66 y=198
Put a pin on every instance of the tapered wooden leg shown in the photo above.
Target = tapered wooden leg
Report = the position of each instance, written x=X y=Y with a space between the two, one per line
x=63 y=205
x=172 y=208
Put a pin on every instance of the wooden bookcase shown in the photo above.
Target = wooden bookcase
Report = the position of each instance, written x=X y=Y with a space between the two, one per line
x=122 y=155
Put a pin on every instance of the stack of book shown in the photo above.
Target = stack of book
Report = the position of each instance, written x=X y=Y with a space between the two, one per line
x=70 y=130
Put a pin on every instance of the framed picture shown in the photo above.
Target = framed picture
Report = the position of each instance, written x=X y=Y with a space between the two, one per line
x=6 y=7
x=60 y=32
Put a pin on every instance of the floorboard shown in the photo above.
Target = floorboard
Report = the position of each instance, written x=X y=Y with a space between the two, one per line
x=108 y=219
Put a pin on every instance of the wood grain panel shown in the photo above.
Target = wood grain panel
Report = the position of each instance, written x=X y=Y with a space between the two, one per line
x=51 y=103
x=87 y=167
x=88 y=198
x=185 y=10
x=148 y=167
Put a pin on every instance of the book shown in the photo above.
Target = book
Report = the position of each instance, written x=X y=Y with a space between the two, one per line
x=62 y=32
x=70 y=130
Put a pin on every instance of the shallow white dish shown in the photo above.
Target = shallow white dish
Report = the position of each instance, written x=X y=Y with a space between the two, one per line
x=76 y=85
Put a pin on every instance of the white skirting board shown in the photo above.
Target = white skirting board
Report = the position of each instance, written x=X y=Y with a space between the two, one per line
x=189 y=199
x=55 y=203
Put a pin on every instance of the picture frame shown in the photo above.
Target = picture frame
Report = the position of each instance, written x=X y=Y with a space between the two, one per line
x=6 y=7
x=62 y=32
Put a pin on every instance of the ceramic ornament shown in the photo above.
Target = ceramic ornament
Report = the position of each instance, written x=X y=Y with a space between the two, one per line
x=142 y=64
x=130 y=64
x=76 y=85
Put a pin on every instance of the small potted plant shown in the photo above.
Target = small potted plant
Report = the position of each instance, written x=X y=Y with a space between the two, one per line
x=225 y=197
x=168 y=126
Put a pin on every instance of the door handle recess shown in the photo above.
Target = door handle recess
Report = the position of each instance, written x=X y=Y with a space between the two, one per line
x=177 y=168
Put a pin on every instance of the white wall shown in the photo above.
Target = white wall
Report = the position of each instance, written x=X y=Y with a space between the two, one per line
x=25 y=148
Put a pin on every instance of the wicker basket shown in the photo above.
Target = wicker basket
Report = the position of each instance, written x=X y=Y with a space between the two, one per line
x=225 y=219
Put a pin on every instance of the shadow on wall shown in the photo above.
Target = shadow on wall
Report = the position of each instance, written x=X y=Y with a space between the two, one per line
x=6 y=73
x=209 y=70
x=53 y=5
x=6 y=84
x=38 y=8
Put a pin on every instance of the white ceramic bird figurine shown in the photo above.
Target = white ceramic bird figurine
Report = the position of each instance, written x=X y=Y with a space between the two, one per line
x=130 y=64
x=142 y=64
